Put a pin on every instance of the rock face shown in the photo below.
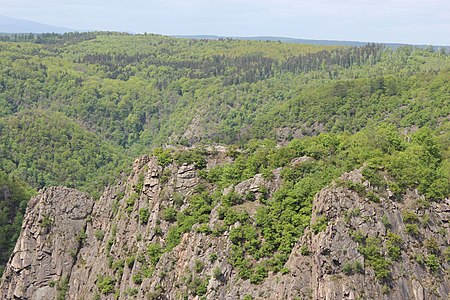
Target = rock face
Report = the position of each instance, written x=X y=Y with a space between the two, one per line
x=355 y=221
x=111 y=250
x=52 y=234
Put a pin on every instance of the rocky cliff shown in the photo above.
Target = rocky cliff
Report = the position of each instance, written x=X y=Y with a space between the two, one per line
x=150 y=237
x=52 y=235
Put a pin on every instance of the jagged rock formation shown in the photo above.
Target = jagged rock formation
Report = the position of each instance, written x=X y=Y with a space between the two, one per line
x=52 y=234
x=112 y=250
x=334 y=253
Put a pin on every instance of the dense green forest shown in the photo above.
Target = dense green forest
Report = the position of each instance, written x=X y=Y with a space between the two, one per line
x=46 y=149
x=75 y=109
x=14 y=195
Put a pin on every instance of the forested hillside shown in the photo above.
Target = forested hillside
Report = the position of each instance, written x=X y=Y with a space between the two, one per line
x=146 y=90
x=76 y=108
x=14 y=195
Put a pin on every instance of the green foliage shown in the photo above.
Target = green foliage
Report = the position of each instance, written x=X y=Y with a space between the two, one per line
x=375 y=179
x=246 y=237
x=197 y=212
x=14 y=195
x=213 y=257
x=320 y=224
x=353 y=186
x=217 y=274
x=198 y=266
x=61 y=152
x=154 y=251
x=81 y=237
x=293 y=200
x=347 y=268
x=63 y=288
x=231 y=216
x=140 y=184
x=173 y=237
x=130 y=261
x=199 y=206
x=203 y=228
x=258 y=275
x=394 y=244
x=46 y=222
x=105 y=284
x=164 y=156
x=232 y=198
x=165 y=176
x=114 y=230
x=109 y=245
x=432 y=263
x=446 y=254
x=409 y=217
x=202 y=288
x=196 y=285
x=412 y=229
x=158 y=231
x=115 y=206
x=156 y=294
x=118 y=267
x=137 y=278
x=375 y=259
x=373 y=197
x=350 y=268
x=131 y=292
x=431 y=245
x=304 y=250
x=120 y=196
x=99 y=235
x=130 y=201
x=385 y=221
x=178 y=199
x=169 y=214
x=144 y=215
x=419 y=259
x=352 y=213
x=195 y=156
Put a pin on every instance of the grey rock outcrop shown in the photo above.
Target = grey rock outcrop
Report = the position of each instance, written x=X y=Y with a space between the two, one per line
x=52 y=233
x=336 y=250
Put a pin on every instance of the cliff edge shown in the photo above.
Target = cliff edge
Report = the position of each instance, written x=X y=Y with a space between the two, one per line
x=168 y=233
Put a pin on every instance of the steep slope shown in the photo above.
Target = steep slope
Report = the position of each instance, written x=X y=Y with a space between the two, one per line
x=52 y=234
x=369 y=251
x=14 y=195
x=168 y=233
x=40 y=148
x=46 y=149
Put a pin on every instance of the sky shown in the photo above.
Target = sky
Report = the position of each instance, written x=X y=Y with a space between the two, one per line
x=403 y=21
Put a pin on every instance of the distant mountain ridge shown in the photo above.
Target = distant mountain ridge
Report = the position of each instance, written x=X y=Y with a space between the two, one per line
x=12 y=25
x=306 y=41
